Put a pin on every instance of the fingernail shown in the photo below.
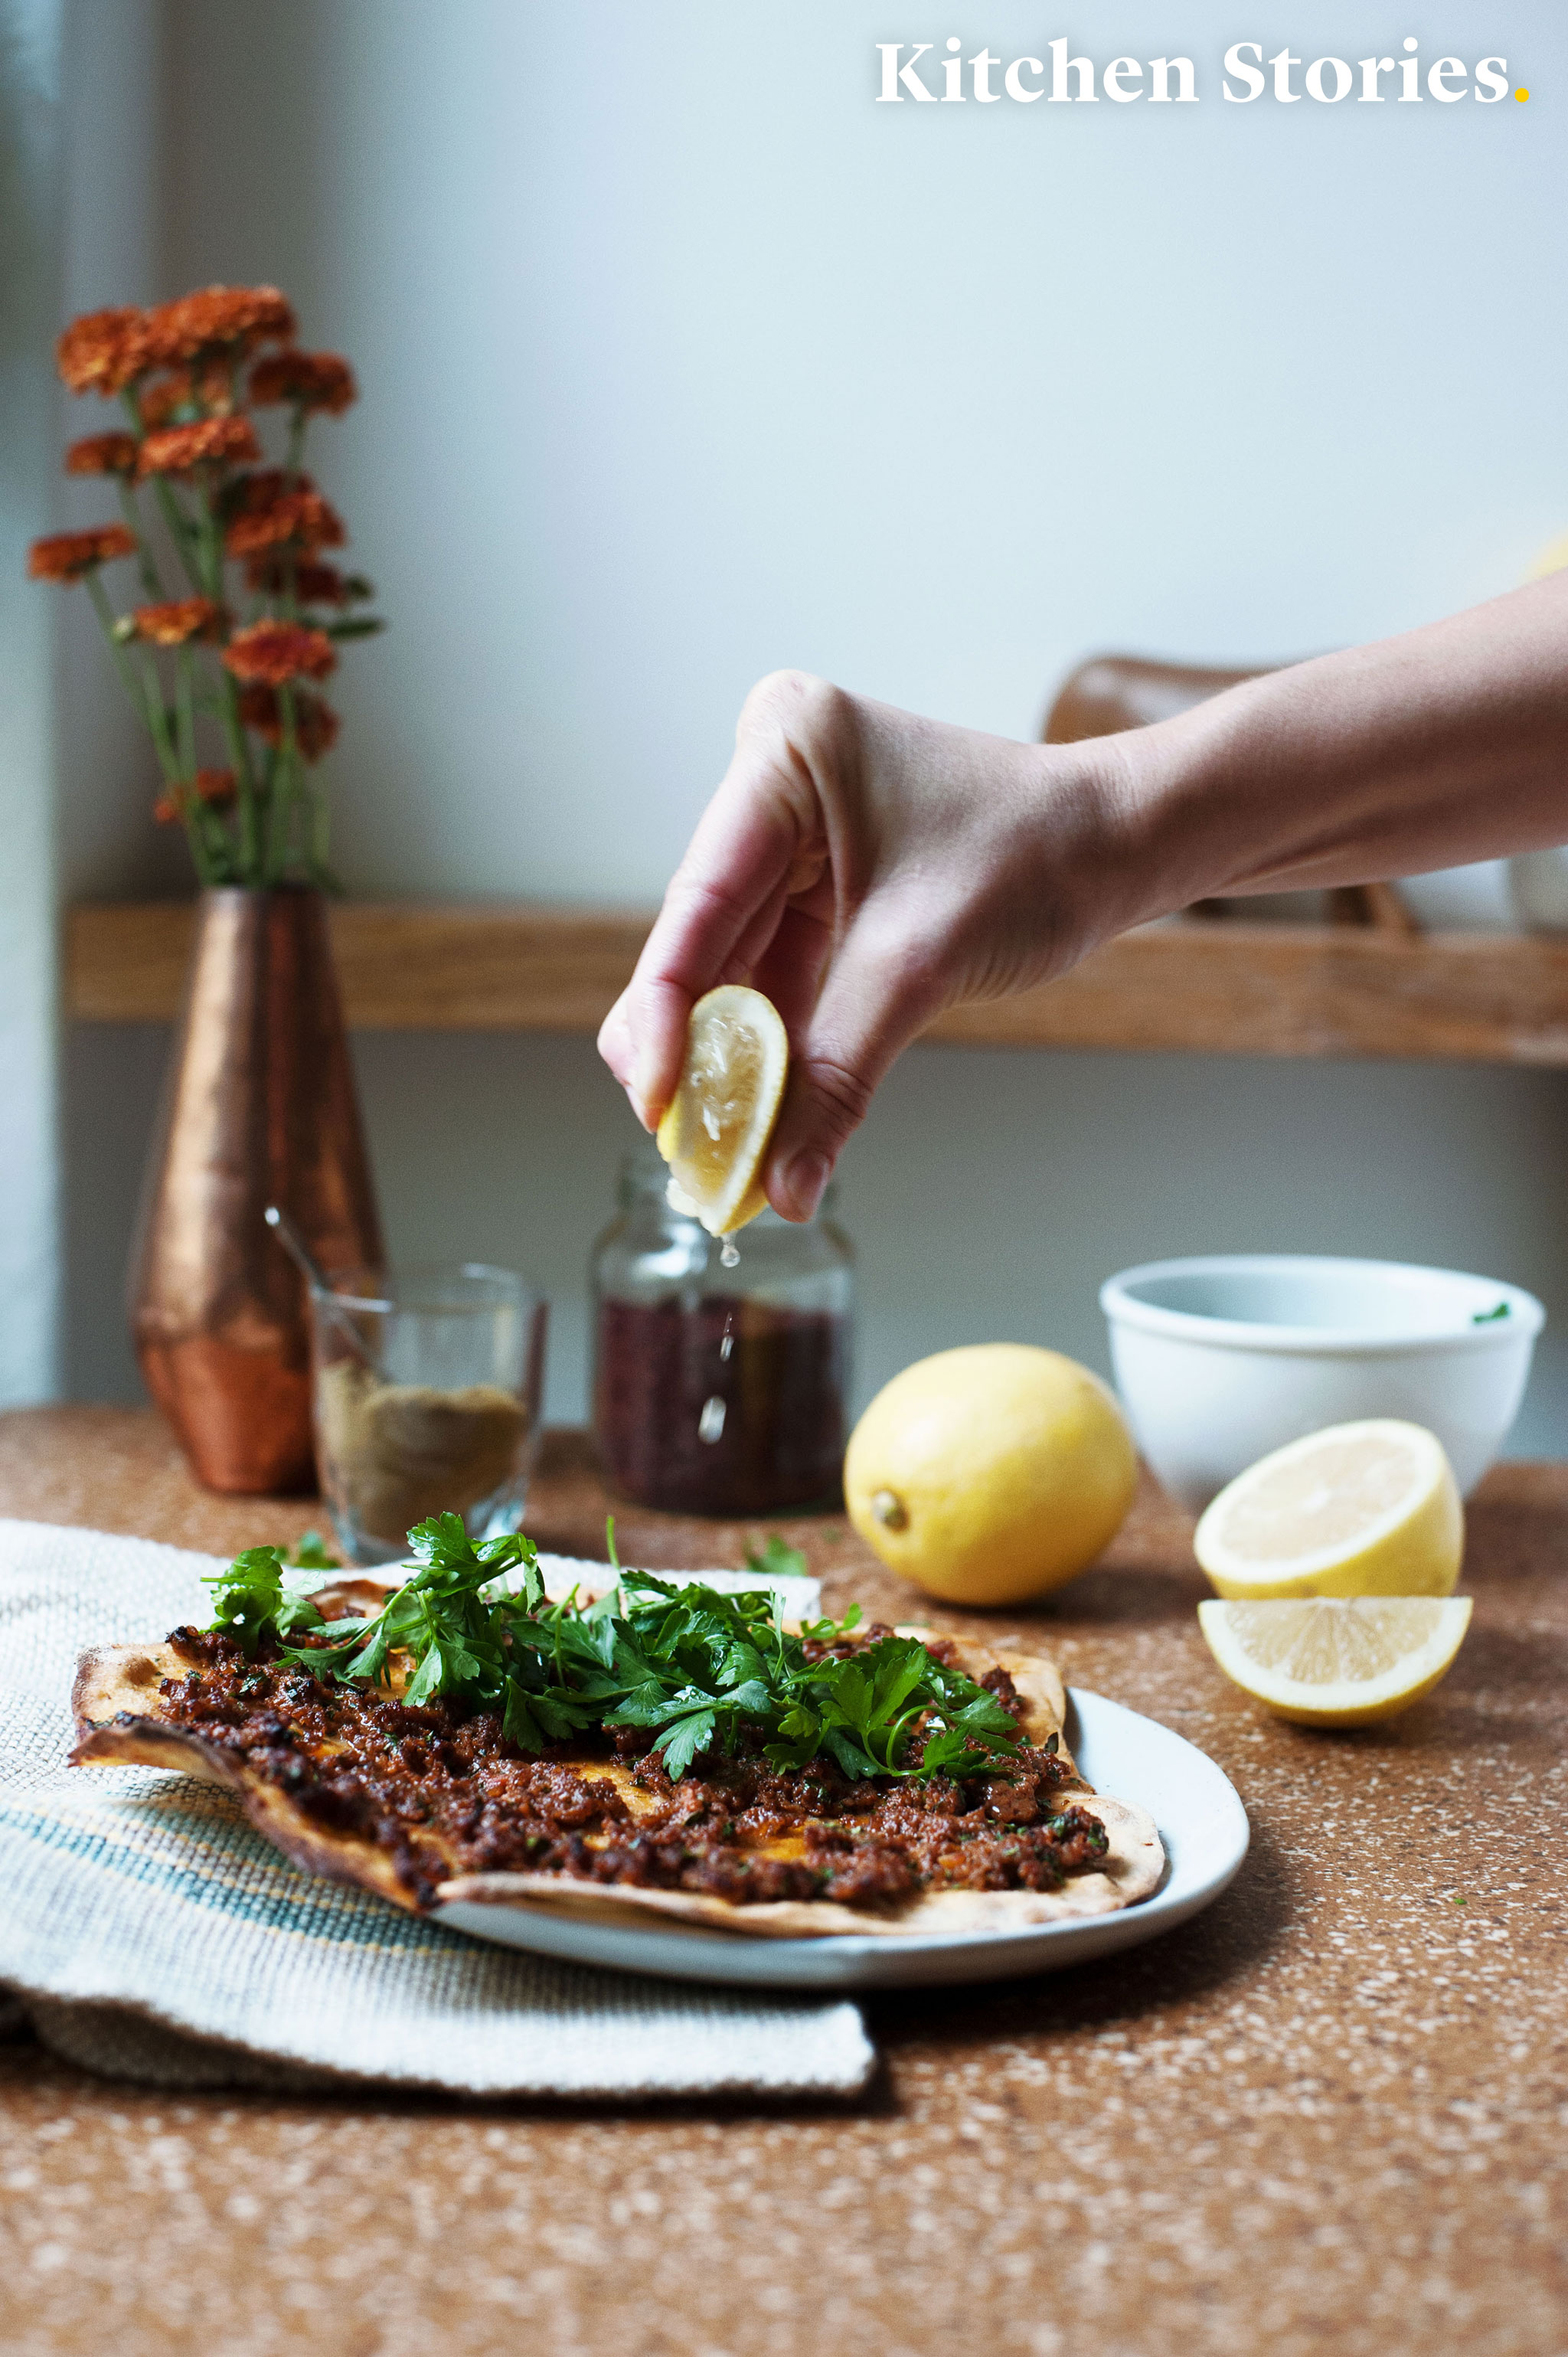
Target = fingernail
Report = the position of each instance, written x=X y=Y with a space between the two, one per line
x=804 y=1181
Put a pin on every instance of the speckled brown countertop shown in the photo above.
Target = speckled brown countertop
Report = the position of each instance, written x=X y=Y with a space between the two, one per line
x=1331 y=2114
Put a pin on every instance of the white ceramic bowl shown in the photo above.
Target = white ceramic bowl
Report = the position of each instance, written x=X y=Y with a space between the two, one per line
x=1218 y=1360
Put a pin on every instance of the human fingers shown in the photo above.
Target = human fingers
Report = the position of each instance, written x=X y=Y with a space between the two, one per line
x=723 y=905
x=790 y=970
x=755 y=946
x=705 y=931
x=882 y=987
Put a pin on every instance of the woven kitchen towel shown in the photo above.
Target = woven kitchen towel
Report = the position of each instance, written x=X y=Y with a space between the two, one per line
x=152 y=1934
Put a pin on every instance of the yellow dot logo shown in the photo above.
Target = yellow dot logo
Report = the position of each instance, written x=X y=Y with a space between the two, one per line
x=1521 y=95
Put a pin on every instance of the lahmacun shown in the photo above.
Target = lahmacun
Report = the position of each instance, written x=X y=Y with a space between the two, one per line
x=823 y=1780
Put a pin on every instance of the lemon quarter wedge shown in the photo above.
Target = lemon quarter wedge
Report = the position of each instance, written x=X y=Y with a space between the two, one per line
x=718 y=1124
x=1367 y=1509
x=1336 y=1661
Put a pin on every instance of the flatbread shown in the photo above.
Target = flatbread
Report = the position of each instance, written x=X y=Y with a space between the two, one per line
x=115 y=1703
x=121 y=1717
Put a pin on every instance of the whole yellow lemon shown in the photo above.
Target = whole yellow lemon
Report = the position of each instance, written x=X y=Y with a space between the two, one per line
x=989 y=1474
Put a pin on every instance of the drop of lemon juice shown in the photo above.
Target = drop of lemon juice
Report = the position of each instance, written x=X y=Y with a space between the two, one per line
x=711 y=1423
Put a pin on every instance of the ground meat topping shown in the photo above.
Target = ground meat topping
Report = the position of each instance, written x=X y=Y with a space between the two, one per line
x=441 y=1793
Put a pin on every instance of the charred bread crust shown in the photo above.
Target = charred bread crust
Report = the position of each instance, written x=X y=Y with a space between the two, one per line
x=121 y=1717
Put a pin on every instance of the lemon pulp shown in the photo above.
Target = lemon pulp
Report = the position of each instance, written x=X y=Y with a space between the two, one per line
x=1336 y=1661
x=717 y=1126
x=1368 y=1509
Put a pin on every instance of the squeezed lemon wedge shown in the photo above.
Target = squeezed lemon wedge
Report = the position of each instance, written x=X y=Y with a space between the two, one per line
x=1368 y=1509
x=1336 y=1661
x=718 y=1124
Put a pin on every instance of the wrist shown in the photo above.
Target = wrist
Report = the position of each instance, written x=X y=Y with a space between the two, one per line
x=1160 y=812
x=1100 y=864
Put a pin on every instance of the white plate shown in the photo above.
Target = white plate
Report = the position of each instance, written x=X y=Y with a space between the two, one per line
x=1202 y=1825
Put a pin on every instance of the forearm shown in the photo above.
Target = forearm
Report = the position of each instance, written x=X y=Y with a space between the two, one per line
x=1448 y=745
x=865 y=870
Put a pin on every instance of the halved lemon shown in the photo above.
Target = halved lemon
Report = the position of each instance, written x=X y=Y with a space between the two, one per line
x=1336 y=1661
x=1366 y=1509
x=717 y=1125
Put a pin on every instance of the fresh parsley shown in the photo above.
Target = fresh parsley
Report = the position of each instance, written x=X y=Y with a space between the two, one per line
x=253 y=1597
x=776 y=1559
x=471 y=1626
x=310 y=1551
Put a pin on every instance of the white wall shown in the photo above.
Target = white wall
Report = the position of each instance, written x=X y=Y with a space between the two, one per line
x=30 y=242
x=112 y=224
x=682 y=359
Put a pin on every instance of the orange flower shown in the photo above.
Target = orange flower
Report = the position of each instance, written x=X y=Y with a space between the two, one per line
x=207 y=389
x=177 y=449
x=103 y=351
x=228 y=315
x=165 y=810
x=157 y=401
x=215 y=786
x=311 y=380
x=273 y=510
x=176 y=624
x=67 y=555
x=274 y=653
x=315 y=721
x=197 y=391
x=102 y=454
x=312 y=584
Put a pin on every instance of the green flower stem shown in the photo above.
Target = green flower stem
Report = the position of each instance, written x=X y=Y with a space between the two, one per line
x=146 y=563
x=213 y=829
x=213 y=863
x=158 y=721
x=211 y=557
x=143 y=686
x=151 y=580
x=319 y=836
x=244 y=782
x=181 y=532
x=185 y=714
x=208 y=546
x=287 y=602
x=141 y=683
x=286 y=780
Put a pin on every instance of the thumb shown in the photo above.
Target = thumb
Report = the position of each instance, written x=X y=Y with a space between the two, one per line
x=876 y=998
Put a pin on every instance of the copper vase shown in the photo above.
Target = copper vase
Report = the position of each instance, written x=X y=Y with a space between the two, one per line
x=258 y=1108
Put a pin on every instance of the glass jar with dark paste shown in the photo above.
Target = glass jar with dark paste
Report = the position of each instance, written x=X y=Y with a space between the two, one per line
x=719 y=1390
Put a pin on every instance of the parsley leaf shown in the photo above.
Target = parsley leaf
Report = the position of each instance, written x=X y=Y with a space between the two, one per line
x=471 y=1626
x=778 y=1560
x=310 y=1551
x=252 y=1598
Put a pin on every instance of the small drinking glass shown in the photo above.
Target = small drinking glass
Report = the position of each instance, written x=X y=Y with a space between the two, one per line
x=427 y=1385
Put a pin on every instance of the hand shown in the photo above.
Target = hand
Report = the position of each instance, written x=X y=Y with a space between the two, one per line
x=865 y=870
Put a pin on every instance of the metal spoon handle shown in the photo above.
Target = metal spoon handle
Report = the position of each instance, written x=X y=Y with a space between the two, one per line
x=305 y=1260
x=294 y=1243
